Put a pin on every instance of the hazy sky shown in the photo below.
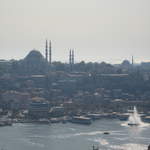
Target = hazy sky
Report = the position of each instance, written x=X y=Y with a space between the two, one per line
x=98 y=30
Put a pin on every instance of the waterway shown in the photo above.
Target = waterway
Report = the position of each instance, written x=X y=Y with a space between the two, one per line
x=74 y=136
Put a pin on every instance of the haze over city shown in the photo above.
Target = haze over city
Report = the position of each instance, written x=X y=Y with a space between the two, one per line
x=98 y=30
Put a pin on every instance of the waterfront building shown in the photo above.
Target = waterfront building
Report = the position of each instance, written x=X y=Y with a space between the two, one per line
x=57 y=111
x=38 y=108
x=16 y=100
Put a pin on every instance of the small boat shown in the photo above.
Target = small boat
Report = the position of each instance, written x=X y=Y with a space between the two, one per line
x=148 y=147
x=133 y=124
x=95 y=148
x=106 y=132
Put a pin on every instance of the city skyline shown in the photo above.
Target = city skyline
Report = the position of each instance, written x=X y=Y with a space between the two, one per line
x=109 y=31
x=48 y=56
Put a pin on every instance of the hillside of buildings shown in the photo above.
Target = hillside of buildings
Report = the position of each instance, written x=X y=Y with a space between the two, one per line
x=73 y=88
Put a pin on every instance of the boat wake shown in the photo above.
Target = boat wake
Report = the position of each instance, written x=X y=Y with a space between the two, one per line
x=109 y=146
x=101 y=141
x=135 y=120
x=130 y=146
x=32 y=143
x=65 y=136
x=142 y=125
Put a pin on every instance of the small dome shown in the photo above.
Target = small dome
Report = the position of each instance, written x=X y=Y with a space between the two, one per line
x=125 y=63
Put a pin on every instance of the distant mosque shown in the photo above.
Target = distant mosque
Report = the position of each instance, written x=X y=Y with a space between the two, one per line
x=35 y=54
x=36 y=63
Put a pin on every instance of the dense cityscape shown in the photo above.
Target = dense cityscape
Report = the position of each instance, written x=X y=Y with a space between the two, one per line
x=36 y=87
x=74 y=75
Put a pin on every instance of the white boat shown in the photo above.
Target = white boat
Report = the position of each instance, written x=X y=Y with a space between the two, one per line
x=5 y=122
x=81 y=120
x=134 y=118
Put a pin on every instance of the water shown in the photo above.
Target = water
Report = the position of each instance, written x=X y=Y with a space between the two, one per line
x=74 y=137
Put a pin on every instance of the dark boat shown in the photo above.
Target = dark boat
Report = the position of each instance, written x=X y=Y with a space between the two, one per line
x=149 y=147
x=133 y=124
x=106 y=133
x=95 y=148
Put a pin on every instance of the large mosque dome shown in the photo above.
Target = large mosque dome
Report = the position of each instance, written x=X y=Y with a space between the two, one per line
x=34 y=55
x=34 y=63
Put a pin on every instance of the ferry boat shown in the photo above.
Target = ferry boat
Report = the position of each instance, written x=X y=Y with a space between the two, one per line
x=94 y=116
x=146 y=119
x=55 y=120
x=43 y=121
x=5 y=122
x=81 y=120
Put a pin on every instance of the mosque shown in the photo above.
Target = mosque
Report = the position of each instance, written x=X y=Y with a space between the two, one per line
x=36 y=63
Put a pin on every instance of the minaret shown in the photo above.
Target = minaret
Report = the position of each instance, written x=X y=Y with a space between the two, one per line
x=132 y=61
x=72 y=61
x=50 y=52
x=70 y=57
x=46 y=51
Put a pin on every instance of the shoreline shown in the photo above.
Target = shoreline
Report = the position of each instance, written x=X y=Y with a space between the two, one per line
x=92 y=117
